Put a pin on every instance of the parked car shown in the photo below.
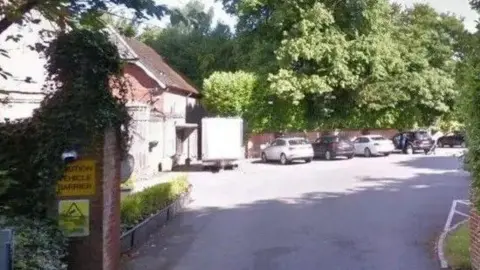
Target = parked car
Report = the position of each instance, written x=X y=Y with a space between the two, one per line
x=329 y=147
x=415 y=141
x=287 y=150
x=452 y=140
x=369 y=145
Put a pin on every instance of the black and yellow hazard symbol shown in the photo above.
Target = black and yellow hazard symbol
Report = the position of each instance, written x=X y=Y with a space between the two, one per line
x=74 y=217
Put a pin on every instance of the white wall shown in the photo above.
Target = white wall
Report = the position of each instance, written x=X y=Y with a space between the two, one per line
x=139 y=130
x=22 y=61
x=174 y=104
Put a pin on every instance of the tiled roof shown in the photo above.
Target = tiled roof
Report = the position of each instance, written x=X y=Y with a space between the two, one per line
x=160 y=69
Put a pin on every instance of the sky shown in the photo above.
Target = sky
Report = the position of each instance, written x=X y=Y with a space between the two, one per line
x=459 y=7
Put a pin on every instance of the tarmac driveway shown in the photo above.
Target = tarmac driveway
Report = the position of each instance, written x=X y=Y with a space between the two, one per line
x=367 y=213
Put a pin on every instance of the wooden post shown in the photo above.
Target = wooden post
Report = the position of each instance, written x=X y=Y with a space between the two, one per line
x=89 y=206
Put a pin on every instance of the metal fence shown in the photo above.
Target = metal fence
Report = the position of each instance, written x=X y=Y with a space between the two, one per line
x=6 y=250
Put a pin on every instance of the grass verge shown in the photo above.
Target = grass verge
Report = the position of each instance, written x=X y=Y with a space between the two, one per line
x=139 y=206
x=457 y=248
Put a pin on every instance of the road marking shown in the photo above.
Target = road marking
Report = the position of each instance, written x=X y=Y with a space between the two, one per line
x=461 y=214
x=448 y=228
x=450 y=216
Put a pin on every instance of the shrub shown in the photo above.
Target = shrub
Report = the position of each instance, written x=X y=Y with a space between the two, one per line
x=138 y=206
x=37 y=244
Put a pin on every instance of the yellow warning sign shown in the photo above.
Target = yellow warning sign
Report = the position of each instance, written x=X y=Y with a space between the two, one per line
x=79 y=179
x=74 y=217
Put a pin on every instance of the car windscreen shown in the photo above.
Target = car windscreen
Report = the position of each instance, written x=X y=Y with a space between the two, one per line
x=422 y=136
x=298 y=142
x=378 y=138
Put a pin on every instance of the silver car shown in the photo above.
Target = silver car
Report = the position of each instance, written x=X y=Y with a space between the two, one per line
x=287 y=150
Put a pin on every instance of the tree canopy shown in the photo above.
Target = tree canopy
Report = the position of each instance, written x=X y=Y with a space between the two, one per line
x=315 y=64
x=324 y=64
x=384 y=66
x=193 y=44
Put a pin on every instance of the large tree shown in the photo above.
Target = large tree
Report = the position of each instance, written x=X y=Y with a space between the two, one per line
x=195 y=46
x=351 y=63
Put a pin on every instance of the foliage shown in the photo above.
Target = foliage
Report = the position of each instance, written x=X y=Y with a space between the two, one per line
x=138 y=206
x=38 y=244
x=469 y=83
x=384 y=66
x=61 y=15
x=79 y=107
x=229 y=94
x=193 y=46
x=71 y=13
x=328 y=64
x=457 y=248
x=126 y=27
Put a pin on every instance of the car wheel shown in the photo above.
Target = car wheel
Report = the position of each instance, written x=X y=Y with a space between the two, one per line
x=264 y=158
x=386 y=154
x=283 y=159
x=409 y=150
x=367 y=152
x=328 y=155
x=350 y=156
x=426 y=151
x=308 y=160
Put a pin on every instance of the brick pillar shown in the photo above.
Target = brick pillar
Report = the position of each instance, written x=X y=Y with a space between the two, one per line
x=474 y=224
x=99 y=248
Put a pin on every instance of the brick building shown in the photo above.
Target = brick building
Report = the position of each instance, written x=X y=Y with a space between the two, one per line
x=164 y=105
x=165 y=108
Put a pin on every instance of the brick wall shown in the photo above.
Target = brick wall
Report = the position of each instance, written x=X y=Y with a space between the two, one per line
x=111 y=202
x=259 y=139
x=101 y=248
x=140 y=86
x=82 y=250
x=474 y=224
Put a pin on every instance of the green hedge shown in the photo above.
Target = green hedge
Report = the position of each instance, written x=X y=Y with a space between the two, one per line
x=37 y=244
x=138 y=206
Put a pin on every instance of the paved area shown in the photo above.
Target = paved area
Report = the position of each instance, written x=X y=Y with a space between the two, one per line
x=367 y=213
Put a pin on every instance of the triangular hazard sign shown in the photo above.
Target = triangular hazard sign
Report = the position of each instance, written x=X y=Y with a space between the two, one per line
x=74 y=211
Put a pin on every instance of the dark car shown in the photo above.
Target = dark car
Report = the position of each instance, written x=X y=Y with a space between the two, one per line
x=452 y=140
x=330 y=147
x=414 y=141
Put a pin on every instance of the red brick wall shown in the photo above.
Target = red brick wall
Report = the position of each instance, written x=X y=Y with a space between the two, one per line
x=140 y=85
x=101 y=248
x=111 y=201
x=259 y=139
x=474 y=225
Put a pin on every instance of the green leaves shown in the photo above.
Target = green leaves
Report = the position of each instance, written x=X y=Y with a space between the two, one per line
x=38 y=244
x=193 y=46
x=229 y=94
x=352 y=63
x=82 y=66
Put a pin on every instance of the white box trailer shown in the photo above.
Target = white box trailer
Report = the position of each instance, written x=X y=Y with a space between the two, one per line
x=222 y=141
